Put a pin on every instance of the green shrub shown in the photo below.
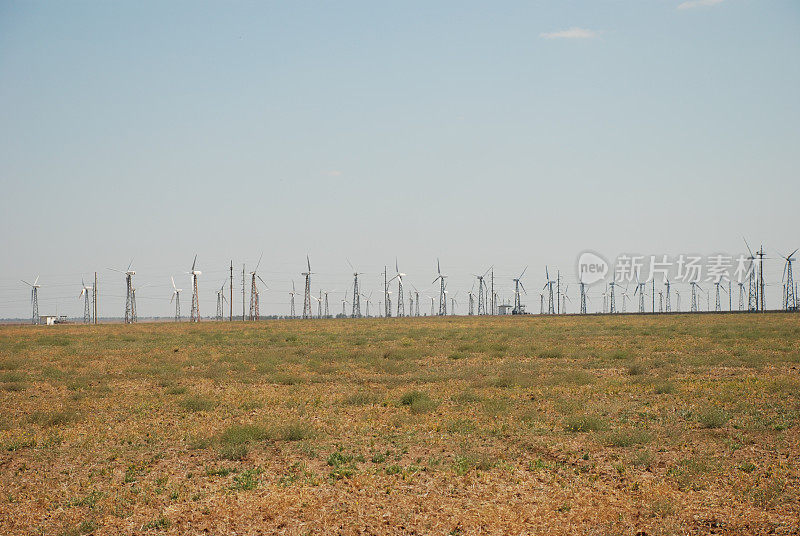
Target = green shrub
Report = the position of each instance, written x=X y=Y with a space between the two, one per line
x=291 y=431
x=628 y=438
x=713 y=418
x=240 y=434
x=584 y=423
x=198 y=403
x=418 y=402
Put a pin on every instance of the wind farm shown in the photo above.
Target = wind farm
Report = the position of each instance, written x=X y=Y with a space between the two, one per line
x=553 y=290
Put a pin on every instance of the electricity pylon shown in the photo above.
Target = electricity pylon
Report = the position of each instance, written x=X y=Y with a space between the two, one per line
x=668 y=302
x=307 y=293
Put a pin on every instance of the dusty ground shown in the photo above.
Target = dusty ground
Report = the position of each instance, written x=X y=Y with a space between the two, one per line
x=683 y=424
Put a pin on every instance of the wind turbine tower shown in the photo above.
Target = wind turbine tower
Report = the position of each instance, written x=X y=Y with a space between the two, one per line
x=87 y=310
x=695 y=286
x=752 y=288
x=517 y=284
x=583 y=297
x=442 y=296
x=221 y=302
x=549 y=287
x=254 y=311
x=356 y=293
x=307 y=293
x=400 y=306
x=292 y=313
x=790 y=297
x=640 y=289
x=482 y=292
x=613 y=297
x=195 y=315
x=176 y=295
x=717 y=302
x=130 y=306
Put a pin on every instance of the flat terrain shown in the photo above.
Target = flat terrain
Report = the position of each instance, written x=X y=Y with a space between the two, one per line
x=680 y=424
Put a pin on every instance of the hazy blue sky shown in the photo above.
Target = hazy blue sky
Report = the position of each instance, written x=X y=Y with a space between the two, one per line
x=506 y=133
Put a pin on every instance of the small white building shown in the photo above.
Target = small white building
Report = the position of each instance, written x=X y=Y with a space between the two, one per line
x=48 y=320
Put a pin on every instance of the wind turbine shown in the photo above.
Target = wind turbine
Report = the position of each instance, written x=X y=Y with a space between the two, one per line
x=549 y=287
x=564 y=300
x=695 y=286
x=482 y=291
x=453 y=304
x=640 y=289
x=367 y=302
x=612 y=296
x=220 y=303
x=471 y=305
x=752 y=287
x=399 y=276
x=291 y=306
x=717 y=304
x=442 y=297
x=307 y=294
x=87 y=311
x=176 y=295
x=327 y=310
x=356 y=292
x=583 y=295
x=34 y=299
x=790 y=298
x=133 y=302
x=195 y=314
x=319 y=304
x=254 y=312
x=517 y=310
x=416 y=299
x=130 y=315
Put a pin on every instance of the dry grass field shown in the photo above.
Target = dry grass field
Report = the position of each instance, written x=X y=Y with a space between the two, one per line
x=680 y=424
